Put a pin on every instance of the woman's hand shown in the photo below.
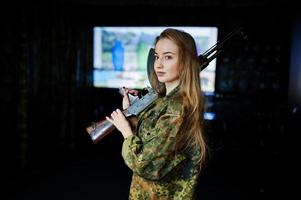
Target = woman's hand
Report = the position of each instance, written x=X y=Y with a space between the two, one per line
x=121 y=123
x=126 y=101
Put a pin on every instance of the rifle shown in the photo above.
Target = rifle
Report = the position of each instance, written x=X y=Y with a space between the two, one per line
x=100 y=129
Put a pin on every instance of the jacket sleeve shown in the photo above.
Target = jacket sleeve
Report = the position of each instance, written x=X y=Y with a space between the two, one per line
x=156 y=157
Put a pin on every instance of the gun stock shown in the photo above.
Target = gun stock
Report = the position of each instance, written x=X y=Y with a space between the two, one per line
x=99 y=130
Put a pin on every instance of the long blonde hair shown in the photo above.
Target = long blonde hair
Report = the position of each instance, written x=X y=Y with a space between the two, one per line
x=191 y=134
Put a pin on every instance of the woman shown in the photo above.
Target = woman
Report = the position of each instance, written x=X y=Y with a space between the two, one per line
x=167 y=148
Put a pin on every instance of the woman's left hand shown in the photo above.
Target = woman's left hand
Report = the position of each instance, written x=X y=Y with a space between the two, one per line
x=120 y=122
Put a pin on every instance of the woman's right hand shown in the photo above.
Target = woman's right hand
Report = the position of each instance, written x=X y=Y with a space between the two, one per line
x=126 y=100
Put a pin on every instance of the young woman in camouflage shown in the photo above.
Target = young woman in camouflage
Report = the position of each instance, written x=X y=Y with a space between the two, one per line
x=167 y=148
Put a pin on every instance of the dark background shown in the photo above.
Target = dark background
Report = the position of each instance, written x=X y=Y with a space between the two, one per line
x=47 y=98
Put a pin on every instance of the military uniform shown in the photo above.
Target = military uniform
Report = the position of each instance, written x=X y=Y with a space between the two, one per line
x=159 y=171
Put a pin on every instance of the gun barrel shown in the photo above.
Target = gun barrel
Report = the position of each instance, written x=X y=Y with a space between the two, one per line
x=219 y=44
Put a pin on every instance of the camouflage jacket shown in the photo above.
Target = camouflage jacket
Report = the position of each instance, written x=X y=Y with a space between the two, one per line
x=159 y=171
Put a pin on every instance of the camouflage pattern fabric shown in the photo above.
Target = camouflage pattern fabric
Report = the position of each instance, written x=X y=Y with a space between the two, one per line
x=159 y=171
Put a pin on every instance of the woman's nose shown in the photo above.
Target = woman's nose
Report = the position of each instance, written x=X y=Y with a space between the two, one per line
x=159 y=63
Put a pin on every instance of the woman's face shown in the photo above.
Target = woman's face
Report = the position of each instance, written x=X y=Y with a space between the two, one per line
x=167 y=61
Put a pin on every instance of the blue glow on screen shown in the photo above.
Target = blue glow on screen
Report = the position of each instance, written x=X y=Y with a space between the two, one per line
x=120 y=55
x=209 y=116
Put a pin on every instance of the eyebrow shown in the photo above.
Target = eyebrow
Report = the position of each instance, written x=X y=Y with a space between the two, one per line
x=167 y=52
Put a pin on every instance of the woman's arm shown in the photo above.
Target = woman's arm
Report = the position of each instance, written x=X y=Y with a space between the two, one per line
x=157 y=156
x=117 y=117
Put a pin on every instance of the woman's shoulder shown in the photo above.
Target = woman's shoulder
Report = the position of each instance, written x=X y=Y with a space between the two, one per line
x=174 y=104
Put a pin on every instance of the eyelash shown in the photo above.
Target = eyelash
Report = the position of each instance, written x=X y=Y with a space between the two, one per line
x=166 y=57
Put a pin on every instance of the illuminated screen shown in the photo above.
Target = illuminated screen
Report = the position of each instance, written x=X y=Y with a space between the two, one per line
x=120 y=55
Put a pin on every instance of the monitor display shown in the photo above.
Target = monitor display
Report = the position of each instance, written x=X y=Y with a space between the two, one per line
x=120 y=55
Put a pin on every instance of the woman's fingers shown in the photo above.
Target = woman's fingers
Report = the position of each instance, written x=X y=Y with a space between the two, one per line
x=119 y=114
x=116 y=114
x=125 y=91
x=134 y=92
x=129 y=90
x=110 y=120
x=125 y=100
x=120 y=122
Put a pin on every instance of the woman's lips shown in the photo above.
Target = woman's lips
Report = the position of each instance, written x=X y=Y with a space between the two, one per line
x=160 y=73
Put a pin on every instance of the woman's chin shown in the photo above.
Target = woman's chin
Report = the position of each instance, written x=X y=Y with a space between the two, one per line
x=162 y=80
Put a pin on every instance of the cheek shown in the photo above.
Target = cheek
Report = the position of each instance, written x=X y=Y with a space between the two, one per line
x=177 y=69
x=177 y=73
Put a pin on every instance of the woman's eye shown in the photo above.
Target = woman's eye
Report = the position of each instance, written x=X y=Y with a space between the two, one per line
x=156 y=57
x=167 y=57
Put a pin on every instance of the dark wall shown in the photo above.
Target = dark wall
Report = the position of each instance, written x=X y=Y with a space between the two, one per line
x=45 y=63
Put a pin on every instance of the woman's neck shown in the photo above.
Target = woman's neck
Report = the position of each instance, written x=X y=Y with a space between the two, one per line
x=171 y=85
